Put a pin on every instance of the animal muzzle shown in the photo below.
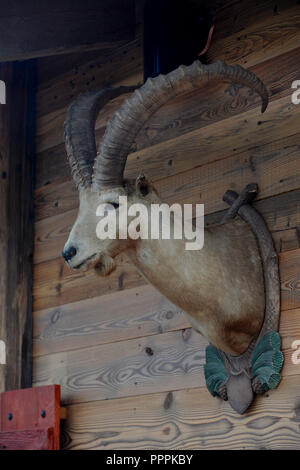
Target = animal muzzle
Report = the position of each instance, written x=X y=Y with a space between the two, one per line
x=69 y=253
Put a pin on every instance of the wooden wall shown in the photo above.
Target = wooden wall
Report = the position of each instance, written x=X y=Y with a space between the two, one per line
x=17 y=138
x=130 y=368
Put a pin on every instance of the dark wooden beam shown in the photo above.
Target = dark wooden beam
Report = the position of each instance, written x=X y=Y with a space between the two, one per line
x=35 y=29
x=16 y=222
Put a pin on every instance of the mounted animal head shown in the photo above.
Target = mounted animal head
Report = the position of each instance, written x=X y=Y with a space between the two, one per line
x=99 y=176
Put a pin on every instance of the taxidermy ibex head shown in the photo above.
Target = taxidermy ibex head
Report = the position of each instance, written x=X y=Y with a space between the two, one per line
x=220 y=287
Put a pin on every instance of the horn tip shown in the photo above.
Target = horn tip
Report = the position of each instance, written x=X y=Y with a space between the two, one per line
x=264 y=105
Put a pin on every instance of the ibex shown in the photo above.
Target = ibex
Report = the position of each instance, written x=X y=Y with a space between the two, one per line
x=221 y=286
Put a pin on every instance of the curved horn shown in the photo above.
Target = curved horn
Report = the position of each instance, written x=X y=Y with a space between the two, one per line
x=123 y=128
x=79 y=132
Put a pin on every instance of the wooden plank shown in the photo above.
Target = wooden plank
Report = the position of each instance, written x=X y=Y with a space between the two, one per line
x=100 y=320
x=55 y=199
x=237 y=16
x=282 y=214
x=16 y=213
x=269 y=78
x=55 y=284
x=168 y=361
x=208 y=183
x=50 y=126
x=32 y=409
x=216 y=101
x=186 y=419
x=35 y=30
x=191 y=111
x=56 y=93
x=132 y=367
x=52 y=165
x=51 y=67
x=290 y=277
x=40 y=439
x=51 y=235
x=222 y=139
x=287 y=240
x=260 y=40
x=273 y=166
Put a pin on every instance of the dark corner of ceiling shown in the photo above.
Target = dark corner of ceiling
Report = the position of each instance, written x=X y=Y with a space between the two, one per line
x=176 y=32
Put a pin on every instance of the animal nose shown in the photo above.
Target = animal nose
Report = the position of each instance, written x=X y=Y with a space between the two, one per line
x=69 y=253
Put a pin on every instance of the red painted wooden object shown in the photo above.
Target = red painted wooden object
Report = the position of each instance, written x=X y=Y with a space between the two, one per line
x=42 y=439
x=30 y=418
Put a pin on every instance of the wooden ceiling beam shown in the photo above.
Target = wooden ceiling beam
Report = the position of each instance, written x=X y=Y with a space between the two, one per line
x=37 y=29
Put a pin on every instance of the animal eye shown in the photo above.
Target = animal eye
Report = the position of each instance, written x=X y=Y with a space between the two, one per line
x=109 y=206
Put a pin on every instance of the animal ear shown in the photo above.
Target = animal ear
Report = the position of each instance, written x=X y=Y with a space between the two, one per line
x=142 y=185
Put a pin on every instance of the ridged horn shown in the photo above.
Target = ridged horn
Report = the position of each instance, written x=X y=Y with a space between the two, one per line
x=135 y=111
x=79 y=131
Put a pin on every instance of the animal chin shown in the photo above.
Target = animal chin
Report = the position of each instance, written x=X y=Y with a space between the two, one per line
x=87 y=263
x=104 y=265
x=101 y=262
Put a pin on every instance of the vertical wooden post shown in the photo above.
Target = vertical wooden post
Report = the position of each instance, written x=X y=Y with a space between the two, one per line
x=16 y=222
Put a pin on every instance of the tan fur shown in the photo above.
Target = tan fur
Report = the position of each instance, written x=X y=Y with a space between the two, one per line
x=220 y=287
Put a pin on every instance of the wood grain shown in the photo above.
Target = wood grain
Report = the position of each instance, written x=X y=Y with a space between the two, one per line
x=286 y=240
x=51 y=235
x=261 y=40
x=56 y=284
x=216 y=101
x=50 y=126
x=84 y=77
x=52 y=163
x=273 y=167
x=42 y=29
x=100 y=320
x=237 y=16
x=186 y=419
x=26 y=405
x=132 y=367
x=57 y=93
x=163 y=362
x=16 y=214
x=236 y=134
x=290 y=279
x=40 y=439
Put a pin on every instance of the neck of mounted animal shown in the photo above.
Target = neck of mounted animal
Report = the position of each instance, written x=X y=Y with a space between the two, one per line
x=219 y=287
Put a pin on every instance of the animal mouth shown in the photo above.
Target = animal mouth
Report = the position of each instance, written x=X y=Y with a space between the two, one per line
x=87 y=261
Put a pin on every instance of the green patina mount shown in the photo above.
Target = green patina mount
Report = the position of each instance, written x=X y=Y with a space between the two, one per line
x=266 y=364
x=238 y=378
